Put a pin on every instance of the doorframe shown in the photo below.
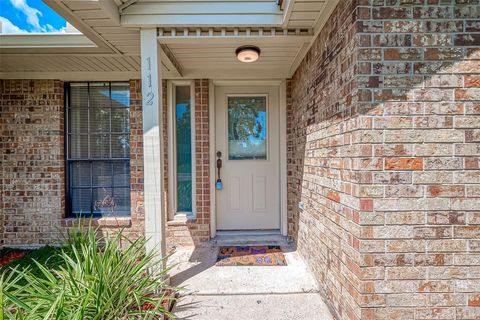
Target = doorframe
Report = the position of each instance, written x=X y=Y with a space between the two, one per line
x=282 y=90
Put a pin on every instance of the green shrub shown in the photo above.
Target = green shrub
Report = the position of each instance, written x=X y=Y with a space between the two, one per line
x=97 y=278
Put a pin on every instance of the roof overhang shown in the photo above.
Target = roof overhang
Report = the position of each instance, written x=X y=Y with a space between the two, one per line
x=202 y=13
x=107 y=9
x=198 y=38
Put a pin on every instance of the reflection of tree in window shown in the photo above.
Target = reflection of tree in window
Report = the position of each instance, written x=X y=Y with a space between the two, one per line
x=109 y=113
x=247 y=127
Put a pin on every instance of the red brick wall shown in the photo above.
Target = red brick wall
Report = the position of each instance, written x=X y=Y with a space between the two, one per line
x=418 y=70
x=321 y=121
x=32 y=173
x=196 y=231
x=136 y=159
x=202 y=154
x=33 y=163
x=32 y=170
x=384 y=151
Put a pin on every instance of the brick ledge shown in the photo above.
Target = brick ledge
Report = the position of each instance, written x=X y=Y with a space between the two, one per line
x=102 y=222
x=180 y=220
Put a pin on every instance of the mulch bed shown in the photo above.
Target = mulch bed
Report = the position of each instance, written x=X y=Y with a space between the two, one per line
x=10 y=256
x=251 y=256
x=168 y=303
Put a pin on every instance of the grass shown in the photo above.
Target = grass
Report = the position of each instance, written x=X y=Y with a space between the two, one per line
x=47 y=256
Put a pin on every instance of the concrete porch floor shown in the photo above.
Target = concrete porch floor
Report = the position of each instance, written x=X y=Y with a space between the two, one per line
x=236 y=293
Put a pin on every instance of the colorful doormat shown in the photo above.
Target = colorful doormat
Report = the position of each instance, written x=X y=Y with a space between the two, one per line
x=251 y=256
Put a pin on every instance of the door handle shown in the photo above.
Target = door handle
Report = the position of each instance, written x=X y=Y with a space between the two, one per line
x=219 y=184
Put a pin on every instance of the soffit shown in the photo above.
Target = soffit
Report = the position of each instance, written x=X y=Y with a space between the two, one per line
x=304 y=13
x=66 y=63
x=100 y=21
x=69 y=66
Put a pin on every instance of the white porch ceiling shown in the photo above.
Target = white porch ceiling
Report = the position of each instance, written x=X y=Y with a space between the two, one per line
x=219 y=61
x=211 y=52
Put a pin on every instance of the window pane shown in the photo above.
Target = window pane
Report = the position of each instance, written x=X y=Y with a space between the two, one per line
x=78 y=120
x=100 y=146
x=120 y=95
x=78 y=95
x=184 y=148
x=81 y=200
x=121 y=174
x=120 y=146
x=184 y=193
x=100 y=120
x=247 y=128
x=122 y=200
x=103 y=201
x=81 y=174
x=78 y=146
x=120 y=120
x=102 y=174
x=99 y=95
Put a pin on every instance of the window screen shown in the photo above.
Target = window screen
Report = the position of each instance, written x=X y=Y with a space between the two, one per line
x=98 y=149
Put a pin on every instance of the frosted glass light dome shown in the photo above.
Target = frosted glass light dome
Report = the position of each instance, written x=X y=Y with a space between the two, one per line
x=247 y=54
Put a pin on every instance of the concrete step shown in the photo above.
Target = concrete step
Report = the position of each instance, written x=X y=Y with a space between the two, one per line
x=239 y=238
x=301 y=306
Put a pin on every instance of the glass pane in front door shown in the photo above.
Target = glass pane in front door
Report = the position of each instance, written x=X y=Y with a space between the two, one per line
x=247 y=128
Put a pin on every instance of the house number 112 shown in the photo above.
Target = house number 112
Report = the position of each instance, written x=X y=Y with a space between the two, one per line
x=150 y=95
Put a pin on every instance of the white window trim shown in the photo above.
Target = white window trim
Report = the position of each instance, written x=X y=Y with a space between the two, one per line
x=173 y=215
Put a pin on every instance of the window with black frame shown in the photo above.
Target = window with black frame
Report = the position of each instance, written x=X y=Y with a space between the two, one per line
x=98 y=149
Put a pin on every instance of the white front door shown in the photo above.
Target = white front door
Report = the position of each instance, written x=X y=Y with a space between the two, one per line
x=247 y=135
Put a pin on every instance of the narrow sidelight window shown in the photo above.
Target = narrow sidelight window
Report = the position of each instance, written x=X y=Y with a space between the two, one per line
x=183 y=145
x=98 y=149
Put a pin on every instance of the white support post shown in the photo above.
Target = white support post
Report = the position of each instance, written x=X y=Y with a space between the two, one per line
x=152 y=141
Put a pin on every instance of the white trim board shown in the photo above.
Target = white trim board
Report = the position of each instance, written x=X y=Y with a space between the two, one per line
x=73 y=76
x=283 y=159
x=45 y=40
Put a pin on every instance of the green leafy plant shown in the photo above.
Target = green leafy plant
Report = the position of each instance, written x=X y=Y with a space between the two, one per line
x=98 y=278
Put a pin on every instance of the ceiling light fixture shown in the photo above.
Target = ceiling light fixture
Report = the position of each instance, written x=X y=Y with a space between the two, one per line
x=247 y=53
